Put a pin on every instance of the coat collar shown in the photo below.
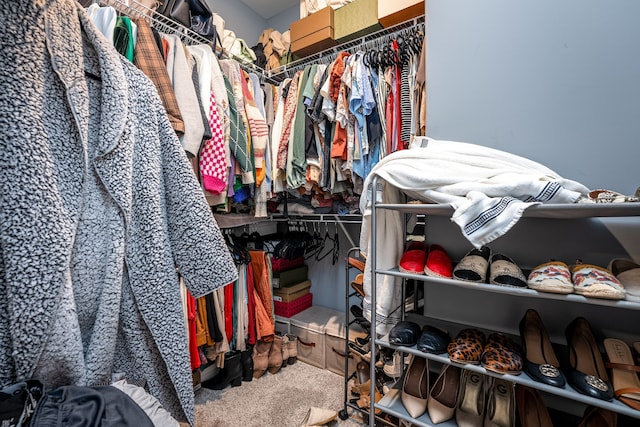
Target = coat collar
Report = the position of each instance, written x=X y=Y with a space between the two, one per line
x=76 y=46
x=65 y=23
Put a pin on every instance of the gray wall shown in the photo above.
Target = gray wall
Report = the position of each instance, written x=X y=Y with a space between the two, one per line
x=282 y=21
x=239 y=18
x=554 y=81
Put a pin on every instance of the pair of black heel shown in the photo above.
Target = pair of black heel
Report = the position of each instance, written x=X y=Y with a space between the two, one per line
x=586 y=372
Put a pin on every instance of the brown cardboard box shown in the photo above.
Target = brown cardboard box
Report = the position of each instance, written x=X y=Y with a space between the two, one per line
x=394 y=12
x=314 y=33
x=356 y=19
x=293 y=292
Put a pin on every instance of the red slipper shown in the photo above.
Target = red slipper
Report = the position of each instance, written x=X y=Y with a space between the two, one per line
x=438 y=263
x=414 y=258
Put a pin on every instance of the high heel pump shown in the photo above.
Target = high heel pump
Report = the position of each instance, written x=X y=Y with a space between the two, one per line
x=541 y=363
x=587 y=374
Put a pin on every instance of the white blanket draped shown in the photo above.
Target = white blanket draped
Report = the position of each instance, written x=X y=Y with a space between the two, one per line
x=489 y=190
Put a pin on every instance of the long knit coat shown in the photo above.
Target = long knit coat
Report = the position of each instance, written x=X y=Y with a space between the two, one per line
x=99 y=213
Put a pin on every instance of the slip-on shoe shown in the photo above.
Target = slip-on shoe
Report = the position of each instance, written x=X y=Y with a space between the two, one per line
x=552 y=276
x=473 y=267
x=404 y=333
x=593 y=281
x=502 y=355
x=438 y=262
x=414 y=258
x=504 y=272
x=467 y=346
x=433 y=340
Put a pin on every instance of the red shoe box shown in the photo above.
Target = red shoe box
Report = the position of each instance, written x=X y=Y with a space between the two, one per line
x=288 y=309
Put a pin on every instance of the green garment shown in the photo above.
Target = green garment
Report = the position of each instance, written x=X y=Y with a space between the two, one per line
x=238 y=138
x=296 y=159
x=123 y=37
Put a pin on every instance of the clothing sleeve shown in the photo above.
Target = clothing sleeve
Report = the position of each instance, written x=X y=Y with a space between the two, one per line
x=199 y=251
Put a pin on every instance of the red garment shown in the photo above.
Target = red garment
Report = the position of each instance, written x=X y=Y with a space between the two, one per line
x=228 y=312
x=251 y=307
x=336 y=75
x=193 y=344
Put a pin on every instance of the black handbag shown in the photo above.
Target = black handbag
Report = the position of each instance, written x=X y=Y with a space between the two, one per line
x=192 y=14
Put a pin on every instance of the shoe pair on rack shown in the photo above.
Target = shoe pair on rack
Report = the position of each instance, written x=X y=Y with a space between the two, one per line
x=497 y=353
x=588 y=280
x=501 y=269
x=586 y=372
x=420 y=259
x=485 y=401
x=532 y=411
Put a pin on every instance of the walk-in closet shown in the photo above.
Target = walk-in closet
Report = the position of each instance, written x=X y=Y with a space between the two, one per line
x=319 y=212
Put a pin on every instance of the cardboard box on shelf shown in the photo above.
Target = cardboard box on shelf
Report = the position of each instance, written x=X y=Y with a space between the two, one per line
x=283 y=279
x=290 y=293
x=356 y=19
x=314 y=33
x=394 y=12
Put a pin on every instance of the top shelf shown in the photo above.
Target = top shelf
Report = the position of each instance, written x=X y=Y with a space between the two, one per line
x=556 y=211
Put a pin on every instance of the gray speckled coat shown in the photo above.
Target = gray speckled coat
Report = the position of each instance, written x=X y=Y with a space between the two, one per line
x=98 y=210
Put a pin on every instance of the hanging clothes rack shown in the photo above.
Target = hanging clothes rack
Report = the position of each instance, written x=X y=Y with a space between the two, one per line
x=369 y=41
x=135 y=9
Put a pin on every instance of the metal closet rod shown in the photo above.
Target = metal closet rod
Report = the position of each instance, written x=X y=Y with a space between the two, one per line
x=365 y=42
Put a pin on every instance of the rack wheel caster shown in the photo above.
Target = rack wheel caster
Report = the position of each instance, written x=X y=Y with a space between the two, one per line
x=343 y=414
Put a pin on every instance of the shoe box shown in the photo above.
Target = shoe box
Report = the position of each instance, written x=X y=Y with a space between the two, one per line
x=313 y=33
x=356 y=19
x=294 y=276
x=321 y=338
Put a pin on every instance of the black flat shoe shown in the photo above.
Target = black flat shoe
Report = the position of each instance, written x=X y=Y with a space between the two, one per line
x=587 y=374
x=433 y=340
x=541 y=363
x=404 y=333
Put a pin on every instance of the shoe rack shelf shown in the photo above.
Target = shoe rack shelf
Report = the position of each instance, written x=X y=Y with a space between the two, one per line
x=537 y=218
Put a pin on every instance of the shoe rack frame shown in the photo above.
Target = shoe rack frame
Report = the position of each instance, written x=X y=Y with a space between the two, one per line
x=536 y=218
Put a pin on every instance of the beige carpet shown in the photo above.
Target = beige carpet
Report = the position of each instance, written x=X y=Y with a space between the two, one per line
x=282 y=399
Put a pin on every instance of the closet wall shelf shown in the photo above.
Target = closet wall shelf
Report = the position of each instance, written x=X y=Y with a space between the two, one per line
x=523 y=378
x=521 y=292
x=556 y=211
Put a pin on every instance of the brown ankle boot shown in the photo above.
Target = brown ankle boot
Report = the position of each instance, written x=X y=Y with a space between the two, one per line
x=292 y=346
x=285 y=350
x=275 y=355
x=261 y=358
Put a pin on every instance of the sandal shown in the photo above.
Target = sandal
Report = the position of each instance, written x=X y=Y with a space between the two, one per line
x=504 y=272
x=596 y=282
x=624 y=377
x=553 y=277
x=610 y=196
x=473 y=267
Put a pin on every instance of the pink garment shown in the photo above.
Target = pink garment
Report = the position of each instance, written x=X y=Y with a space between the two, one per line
x=213 y=160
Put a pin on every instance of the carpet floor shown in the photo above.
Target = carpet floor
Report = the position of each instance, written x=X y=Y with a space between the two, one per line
x=282 y=399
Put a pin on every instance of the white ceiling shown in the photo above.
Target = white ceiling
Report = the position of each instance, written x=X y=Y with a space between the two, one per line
x=269 y=8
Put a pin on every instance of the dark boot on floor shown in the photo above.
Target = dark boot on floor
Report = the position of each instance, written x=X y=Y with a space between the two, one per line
x=230 y=374
x=247 y=364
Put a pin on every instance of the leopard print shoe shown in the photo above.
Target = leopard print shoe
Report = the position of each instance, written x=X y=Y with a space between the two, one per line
x=467 y=346
x=502 y=355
